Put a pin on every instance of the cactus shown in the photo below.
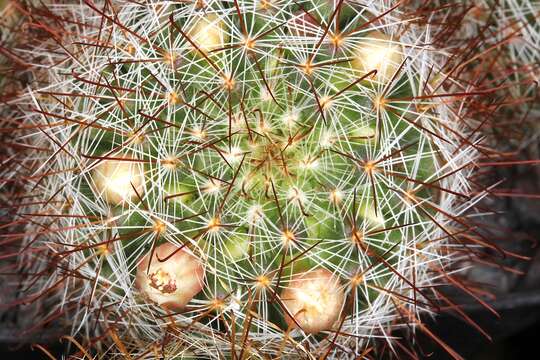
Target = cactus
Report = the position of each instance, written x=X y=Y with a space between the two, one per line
x=515 y=30
x=8 y=20
x=239 y=179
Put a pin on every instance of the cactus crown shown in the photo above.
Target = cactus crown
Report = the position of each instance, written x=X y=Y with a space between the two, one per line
x=289 y=155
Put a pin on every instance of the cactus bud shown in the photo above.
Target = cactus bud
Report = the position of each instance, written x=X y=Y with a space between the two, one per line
x=119 y=181
x=171 y=283
x=315 y=300
x=378 y=52
x=208 y=32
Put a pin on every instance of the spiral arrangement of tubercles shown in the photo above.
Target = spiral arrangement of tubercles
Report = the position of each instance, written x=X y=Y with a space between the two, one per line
x=273 y=177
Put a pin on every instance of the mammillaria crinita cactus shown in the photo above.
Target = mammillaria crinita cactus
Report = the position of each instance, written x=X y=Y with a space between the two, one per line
x=238 y=179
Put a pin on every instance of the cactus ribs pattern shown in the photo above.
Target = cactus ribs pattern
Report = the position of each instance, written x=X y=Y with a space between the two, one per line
x=239 y=179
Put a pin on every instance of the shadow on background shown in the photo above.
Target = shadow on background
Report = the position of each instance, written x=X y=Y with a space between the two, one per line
x=515 y=335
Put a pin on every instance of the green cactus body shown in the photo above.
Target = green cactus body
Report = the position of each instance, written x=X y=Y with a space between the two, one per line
x=267 y=154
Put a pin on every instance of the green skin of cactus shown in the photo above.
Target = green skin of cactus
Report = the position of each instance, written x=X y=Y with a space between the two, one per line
x=322 y=222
